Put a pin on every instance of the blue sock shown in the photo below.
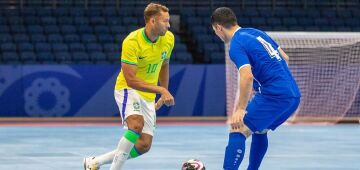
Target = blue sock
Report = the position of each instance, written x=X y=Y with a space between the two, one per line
x=235 y=151
x=259 y=145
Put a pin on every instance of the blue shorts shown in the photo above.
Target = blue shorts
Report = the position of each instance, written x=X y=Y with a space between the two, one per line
x=264 y=112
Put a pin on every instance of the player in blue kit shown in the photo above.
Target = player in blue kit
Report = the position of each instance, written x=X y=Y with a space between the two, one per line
x=262 y=64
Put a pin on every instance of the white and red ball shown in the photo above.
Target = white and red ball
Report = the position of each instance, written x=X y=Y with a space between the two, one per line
x=193 y=164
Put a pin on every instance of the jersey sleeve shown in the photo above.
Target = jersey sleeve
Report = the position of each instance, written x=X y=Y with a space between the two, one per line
x=238 y=55
x=172 y=43
x=129 y=51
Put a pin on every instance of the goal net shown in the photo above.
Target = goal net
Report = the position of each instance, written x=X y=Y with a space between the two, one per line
x=326 y=67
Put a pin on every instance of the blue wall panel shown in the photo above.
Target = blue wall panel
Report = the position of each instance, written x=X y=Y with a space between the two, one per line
x=87 y=90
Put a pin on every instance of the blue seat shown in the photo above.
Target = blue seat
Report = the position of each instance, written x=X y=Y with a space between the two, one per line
x=18 y=29
x=290 y=21
x=119 y=38
x=28 y=56
x=266 y=13
x=217 y=57
x=3 y=21
x=209 y=48
x=97 y=56
x=297 y=13
x=35 y=29
x=77 y=12
x=94 y=47
x=113 y=56
x=65 y=20
x=80 y=56
x=60 y=47
x=10 y=56
x=118 y=29
x=109 y=12
x=48 y=20
x=183 y=57
x=63 y=56
x=93 y=12
x=198 y=30
x=105 y=38
x=244 y=21
x=328 y=13
x=51 y=29
x=313 y=13
x=101 y=29
x=85 y=29
x=97 y=21
x=43 y=12
x=8 y=47
x=4 y=29
x=321 y=21
x=130 y=21
x=61 y=12
x=352 y=22
x=27 y=12
x=55 y=38
x=180 y=47
x=112 y=21
x=26 y=47
x=306 y=22
x=274 y=22
x=68 y=29
x=258 y=21
x=37 y=38
x=19 y=38
x=81 y=21
x=5 y=38
x=88 y=38
x=45 y=56
x=31 y=20
x=250 y=13
x=111 y=48
x=15 y=20
x=203 y=38
x=72 y=38
x=77 y=47
x=283 y=12
x=42 y=47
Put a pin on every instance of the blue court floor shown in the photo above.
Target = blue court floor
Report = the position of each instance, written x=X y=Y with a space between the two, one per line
x=295 y=147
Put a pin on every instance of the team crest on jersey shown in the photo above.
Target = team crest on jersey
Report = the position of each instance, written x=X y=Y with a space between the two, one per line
x=163 y=55
x=136 y=106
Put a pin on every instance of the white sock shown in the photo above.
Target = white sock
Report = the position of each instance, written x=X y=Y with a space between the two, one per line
x=106 y=158
x=121 y=154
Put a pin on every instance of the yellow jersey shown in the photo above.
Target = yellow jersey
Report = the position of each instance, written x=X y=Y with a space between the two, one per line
x=148 y=56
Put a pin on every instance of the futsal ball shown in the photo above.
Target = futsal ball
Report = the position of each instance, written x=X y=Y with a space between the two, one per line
x=193 y=164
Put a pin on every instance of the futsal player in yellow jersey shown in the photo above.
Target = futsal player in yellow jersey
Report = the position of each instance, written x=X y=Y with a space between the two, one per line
x=144 y=63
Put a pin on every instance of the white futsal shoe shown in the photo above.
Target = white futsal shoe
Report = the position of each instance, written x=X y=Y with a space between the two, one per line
x=89 y=164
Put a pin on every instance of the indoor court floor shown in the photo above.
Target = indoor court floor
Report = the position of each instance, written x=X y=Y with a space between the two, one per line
x=291 y=147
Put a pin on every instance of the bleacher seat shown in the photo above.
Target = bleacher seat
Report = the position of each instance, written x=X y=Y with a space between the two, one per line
x=28 y=56
x=19 y=38
x=35 y=29
x=84 y=29
x=26 y=47
x=94 y=47
x=51 y=29
x=60 y=47
x=88 y=38
x=63 y=57
x=42 y=47
x=45 y=57
x=55 y=38
x=10 y=56
x=80 y=56
x=5 y=38
x=8 y=47
x=77 y=47
x=97 y=56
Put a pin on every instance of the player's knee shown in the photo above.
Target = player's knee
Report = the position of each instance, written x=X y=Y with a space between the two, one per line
x=143 y=147
x=135 y=123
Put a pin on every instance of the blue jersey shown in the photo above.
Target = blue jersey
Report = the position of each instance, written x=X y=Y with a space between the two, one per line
x=272 y=76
